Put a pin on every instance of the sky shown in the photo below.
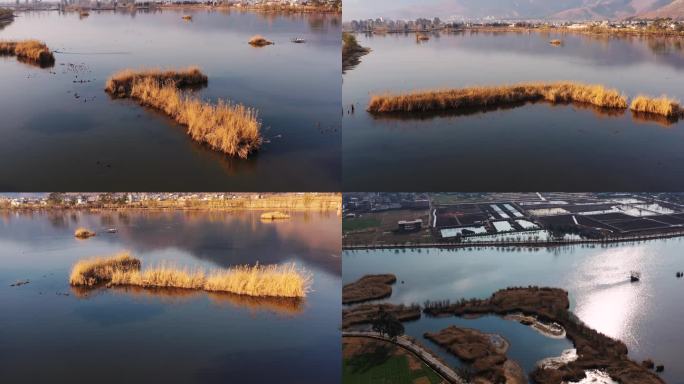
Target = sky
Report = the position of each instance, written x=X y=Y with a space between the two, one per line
x=397 y=9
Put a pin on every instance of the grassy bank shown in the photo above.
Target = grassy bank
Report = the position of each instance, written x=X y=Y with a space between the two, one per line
x=351 y=51
x=6 y=14
x=261 y=281
x=487 y=97
x=233 y=129
x=31 y=51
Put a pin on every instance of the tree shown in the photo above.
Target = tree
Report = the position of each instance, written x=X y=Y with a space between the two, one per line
x=387 y=324
x=55 y=198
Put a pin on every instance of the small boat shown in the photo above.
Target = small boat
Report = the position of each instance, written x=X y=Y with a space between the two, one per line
x=298 y=40
x=634 y=276
x=112 y=230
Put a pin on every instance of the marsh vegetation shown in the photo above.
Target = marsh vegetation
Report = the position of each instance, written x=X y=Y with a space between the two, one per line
x=284 y=280
x=259 y=41
x=83 y=233
x=233 y=129
x=479 y=97
x=351 y=51
x=30 y=51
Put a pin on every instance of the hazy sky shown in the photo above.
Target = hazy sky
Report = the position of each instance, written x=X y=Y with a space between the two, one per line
x=397 y=9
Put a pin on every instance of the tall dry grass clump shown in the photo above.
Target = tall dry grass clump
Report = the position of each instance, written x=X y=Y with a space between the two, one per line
x=259 y=280
x=663 y=106
x=83 y=233
x=121 y=83
x=99 y=270
x=233 y=129
x=259 y=41
x=487 y=97
x=32 y=51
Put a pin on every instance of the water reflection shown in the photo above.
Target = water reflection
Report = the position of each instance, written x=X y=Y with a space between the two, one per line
x=220 y=237
x=280 y=306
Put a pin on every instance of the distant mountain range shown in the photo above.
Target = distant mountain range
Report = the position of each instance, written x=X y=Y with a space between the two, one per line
x=565 y=9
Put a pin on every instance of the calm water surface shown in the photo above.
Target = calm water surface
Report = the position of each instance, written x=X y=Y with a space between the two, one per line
x=645 y=315
x=143 y=336
x=563 y=147
x=56 y=141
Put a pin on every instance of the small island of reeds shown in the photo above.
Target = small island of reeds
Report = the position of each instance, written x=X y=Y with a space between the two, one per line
x=284 y=280
x=83 y=233
x=274 y=216
x=496 y=96
x=30 y=51
x=663 y=106
x=233 y=129
x=259 y=41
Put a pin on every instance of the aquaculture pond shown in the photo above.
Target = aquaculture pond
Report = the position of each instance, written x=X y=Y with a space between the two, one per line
x=550 y=147
x=63 y=132
x=139 y=335
x=645 y=315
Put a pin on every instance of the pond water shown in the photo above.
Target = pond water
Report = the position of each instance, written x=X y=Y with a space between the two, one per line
x=141 y=336
x=54 y=140
x=534 y=146
x=645 y=315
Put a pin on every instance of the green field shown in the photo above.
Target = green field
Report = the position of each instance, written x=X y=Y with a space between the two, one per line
x=367 y=369
x=357 y=224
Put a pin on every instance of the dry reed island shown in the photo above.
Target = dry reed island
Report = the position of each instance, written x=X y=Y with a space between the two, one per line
x=540 y=307
x=259 y=41
x=286 y=281
x=510 y=95
x=233 y=129
x=351 y=51
x=28 y=51
x=83 y=233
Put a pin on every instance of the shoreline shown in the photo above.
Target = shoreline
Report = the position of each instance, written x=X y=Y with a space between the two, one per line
x=540 y=244
x=561 y=30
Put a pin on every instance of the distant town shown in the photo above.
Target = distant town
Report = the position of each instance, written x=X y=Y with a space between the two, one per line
x=59 y=200
x=381 y=220
x=423 y=25
x=293 y=5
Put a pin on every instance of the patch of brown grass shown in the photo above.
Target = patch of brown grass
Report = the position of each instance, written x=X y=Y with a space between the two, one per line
x=274 y=216
x=32 y=51
x=259 y=280
x=233 y=129
x=369 y=287
x=484 y=97
x=121 y=83
x=663 y=106
x=259 y=41
x=99 y=270
x=83 y=233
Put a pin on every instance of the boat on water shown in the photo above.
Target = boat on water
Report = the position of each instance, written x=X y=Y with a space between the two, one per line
x=112 y=230
x=298 y=40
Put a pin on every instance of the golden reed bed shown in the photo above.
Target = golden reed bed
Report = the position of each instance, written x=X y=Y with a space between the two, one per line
x=259 y=280
x=663 y=106
x=233 y=129
x=486 y=97
x=32 y=51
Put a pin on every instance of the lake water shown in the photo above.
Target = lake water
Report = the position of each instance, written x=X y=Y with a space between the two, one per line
x=535 y=146
x=142 y=336
x=645 y=315
x=55 y=141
